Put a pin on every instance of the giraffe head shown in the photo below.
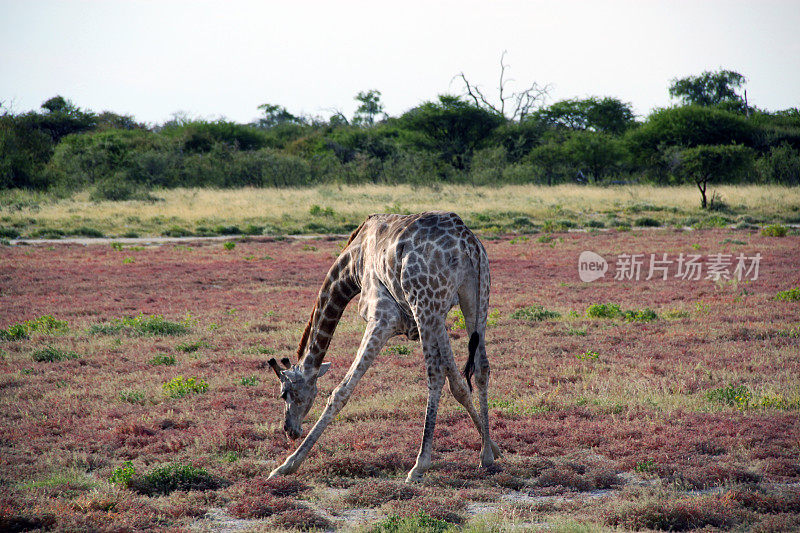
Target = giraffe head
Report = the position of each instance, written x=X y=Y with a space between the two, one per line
x=298 y=390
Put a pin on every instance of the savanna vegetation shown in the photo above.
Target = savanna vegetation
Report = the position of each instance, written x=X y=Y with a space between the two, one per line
x=135 y=393
x=712 y=135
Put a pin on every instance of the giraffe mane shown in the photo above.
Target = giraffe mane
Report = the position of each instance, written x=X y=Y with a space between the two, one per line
x=307 y=332
x=353 y=235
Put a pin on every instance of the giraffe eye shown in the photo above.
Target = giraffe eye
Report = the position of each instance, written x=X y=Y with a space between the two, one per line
x=285 y=394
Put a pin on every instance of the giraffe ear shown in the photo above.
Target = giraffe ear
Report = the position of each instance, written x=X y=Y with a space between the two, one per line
x=323 y=368
x=273 y=364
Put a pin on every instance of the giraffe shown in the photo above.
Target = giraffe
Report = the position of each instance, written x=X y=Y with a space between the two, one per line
x=410 y=270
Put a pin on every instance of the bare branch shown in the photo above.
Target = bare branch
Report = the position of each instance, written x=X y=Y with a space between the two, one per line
x=337 y=114
x=523 y=102
x=474 y=92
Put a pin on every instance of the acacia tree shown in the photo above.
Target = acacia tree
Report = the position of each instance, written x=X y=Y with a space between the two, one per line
x=451 y=127
x=511 y=105
x=275 y=114
x=703 y=164
x=709 y=88
x=596 y=152
x=370 y=107
x=607 y=115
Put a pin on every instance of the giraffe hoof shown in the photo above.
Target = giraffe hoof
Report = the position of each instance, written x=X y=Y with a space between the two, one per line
x=414 y=476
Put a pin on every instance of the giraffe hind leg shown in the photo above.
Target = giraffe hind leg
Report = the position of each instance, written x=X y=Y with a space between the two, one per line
x=468 y=301
x=482 y=384
x=436 y=375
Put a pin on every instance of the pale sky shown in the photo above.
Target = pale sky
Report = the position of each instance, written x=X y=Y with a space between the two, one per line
x=152 y=58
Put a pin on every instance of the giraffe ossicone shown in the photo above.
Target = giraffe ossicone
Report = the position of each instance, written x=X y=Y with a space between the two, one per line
x=410 y=271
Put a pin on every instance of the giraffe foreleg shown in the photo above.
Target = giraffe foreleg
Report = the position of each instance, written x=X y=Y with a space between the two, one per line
x=375 y=336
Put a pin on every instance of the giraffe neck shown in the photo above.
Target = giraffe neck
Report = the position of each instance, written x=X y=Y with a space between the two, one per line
x=339 y=287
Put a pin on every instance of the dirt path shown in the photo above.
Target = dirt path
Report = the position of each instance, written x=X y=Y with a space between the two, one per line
x=157 y=241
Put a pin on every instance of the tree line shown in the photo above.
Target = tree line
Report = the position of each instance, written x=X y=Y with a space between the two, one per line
x=711 y=135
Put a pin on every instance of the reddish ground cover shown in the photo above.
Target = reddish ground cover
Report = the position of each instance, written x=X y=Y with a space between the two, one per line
x=706 y=395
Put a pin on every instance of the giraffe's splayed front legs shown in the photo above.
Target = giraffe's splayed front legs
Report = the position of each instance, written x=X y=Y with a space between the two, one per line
x=375 y=336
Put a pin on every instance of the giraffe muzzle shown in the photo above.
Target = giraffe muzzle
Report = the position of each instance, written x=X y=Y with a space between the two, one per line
x=291 y=432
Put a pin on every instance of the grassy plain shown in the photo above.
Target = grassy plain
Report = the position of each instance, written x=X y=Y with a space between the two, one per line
x=116 y=419
x=331 y=209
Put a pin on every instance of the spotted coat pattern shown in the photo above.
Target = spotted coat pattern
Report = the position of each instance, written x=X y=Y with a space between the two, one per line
x=410 y=271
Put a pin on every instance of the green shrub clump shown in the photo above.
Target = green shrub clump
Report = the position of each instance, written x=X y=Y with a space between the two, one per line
x=640 y=315
x=191 y=347
x=51 y=354
x=163 y=359
x=178 y=387
x=603 y=311
x=647 y=222
x=418 y=522
x=774 y=230
x=534 y=313
x=141 y=325
x=45 y=324
x=122 y=475
x=738 y=396
x=8 y=233
x=168 y=478
x=614 y=311
x=790 y=295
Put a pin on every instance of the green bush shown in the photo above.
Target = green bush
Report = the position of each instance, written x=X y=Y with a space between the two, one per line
x=790 y=295
x=780 y=165
x=51 y=354
x=534 y=313
x=172 y=477
x=177 y=231
x=253 y=229
x=421 y=522
x=227 y=230
x=588 y=355
x=647 y=222
x=774 y=230
x=178 y=387
x=85 y=231
x=738 y=396
x=45 y=324
x=399 y=349
x=122 y=475
x=640 y=315
x=603 y=311
x=191 y=347
x=141 y=325
x=687 y=126
x=115 y=190
x=163 y=359
x=8 y=233
x=133 y=396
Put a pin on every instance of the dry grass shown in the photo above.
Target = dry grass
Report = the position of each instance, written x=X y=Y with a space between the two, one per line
x=288 y=210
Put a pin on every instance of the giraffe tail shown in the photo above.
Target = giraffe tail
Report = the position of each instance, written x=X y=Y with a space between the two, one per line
x=469 y=367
